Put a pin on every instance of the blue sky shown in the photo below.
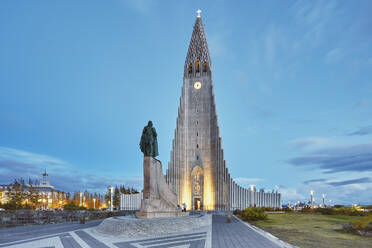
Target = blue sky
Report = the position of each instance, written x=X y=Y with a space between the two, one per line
x=292 y=79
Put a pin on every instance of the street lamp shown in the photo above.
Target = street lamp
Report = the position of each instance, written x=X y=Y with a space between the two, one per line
x=112 y=198
x=311 y=197
x=81 y=195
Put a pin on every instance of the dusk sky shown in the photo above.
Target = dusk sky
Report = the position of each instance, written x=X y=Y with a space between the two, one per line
x=292 y=79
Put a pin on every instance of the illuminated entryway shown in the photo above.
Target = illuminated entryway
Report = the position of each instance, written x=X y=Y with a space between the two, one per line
x=197 y=187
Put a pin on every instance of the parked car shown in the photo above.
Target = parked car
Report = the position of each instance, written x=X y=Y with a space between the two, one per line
x=1 y=209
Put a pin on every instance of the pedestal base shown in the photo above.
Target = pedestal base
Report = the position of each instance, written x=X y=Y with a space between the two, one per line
x=159 y=201
x=147 y=215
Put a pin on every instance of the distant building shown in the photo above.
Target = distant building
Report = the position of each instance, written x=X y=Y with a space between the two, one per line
x=47 y=195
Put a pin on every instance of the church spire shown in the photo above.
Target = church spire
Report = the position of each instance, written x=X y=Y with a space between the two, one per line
x=198 y=54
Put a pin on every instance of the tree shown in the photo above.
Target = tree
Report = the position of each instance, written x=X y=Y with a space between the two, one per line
x=116 y=201
x=16 y=193
x=33 y=194
x=108 y=198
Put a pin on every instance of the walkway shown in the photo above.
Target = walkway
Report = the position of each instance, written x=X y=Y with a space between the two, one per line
x=236 y=235
x=74 y=235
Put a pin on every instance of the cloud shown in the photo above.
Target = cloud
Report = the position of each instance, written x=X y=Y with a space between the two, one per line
x=15 y=164
x=314 y=181
x=357 y=158
x=314 y=17
x=11 y=154
x=359 y=193
x=334 y=55
x=353 y=181
x=247 y=180
x=338 y=183
x=291 y=194
x=217 y=44
x=362 y=103
x=141 y=6
x=310 y=142
x=362 y=131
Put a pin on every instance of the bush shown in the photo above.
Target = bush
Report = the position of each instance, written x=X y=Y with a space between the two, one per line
x=72 y=206
x=237 y=212
x=252 y=214
x=326 y=211
x=363 y=223
x=350 y=212
x=306 y=210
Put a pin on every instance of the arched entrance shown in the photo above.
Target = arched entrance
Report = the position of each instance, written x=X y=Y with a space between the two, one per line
x=197 y=187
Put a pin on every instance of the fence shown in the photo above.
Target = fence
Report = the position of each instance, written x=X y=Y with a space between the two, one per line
x=10 y=218
x=130 y=201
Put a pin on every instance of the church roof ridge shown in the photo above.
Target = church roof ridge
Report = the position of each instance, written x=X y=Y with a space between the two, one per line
x=198 y=48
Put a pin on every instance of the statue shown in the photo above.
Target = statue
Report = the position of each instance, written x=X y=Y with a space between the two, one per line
x=159 y=200
x=149 y=143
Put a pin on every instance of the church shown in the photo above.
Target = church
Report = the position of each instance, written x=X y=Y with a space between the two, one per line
x=197 y=171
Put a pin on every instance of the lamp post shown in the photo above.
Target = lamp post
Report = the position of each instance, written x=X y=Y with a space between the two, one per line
x=94 y=203
x=111 y=198
x=311 y=198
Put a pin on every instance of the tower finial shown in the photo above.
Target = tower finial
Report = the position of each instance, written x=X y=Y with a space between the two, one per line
x=198 y=12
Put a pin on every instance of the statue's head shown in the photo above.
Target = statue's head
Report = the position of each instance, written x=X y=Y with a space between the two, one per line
x=149 y=124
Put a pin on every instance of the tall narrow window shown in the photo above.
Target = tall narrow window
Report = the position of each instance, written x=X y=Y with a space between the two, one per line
x=197 y=65
x=197 y=134
x=205 y=67
x=190 y=68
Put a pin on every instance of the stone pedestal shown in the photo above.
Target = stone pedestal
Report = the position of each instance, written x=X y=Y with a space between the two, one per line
x=159 y=201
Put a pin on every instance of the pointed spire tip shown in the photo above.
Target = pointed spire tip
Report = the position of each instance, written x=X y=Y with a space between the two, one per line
x=198 y=12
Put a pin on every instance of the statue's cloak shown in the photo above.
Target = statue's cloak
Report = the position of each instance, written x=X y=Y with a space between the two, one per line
x=149 y=143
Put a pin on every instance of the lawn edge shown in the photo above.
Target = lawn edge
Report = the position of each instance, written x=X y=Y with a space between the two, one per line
x=267 y=235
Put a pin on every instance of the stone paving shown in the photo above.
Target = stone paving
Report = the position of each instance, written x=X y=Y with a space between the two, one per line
x=219 y=234
x=130 y=227
x=237 y=235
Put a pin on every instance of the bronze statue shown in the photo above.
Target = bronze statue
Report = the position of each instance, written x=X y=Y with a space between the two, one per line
x=149 y=143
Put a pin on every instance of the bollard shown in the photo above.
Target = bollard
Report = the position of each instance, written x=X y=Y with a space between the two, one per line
x=82 y=220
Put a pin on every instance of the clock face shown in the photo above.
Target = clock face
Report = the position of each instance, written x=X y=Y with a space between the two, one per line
x=197 y=85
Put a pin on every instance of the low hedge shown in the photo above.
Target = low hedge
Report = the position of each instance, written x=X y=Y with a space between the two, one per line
x=361 y=226
x=251 y=214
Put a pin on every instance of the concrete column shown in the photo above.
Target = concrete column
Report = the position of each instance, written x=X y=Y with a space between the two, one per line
x=246 y=198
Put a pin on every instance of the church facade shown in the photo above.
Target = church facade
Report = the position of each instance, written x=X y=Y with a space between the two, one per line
x=197 y=171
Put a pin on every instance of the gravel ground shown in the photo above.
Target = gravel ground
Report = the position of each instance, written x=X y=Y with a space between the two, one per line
x=133 y=227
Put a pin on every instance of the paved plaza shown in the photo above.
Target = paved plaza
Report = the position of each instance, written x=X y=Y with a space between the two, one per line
x=74 y=235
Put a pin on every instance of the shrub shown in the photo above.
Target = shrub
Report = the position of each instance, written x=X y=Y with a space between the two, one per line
x=350 y=212
x=306 y=210
x=363 y=223
x=237 y=212
x=72 y=206
x=252 y=214
x=326 y=211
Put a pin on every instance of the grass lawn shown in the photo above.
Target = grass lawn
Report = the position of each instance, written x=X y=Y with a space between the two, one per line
x=313 y=230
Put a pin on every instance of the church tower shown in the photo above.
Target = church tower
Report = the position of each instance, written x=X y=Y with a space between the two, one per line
x=197 y=170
